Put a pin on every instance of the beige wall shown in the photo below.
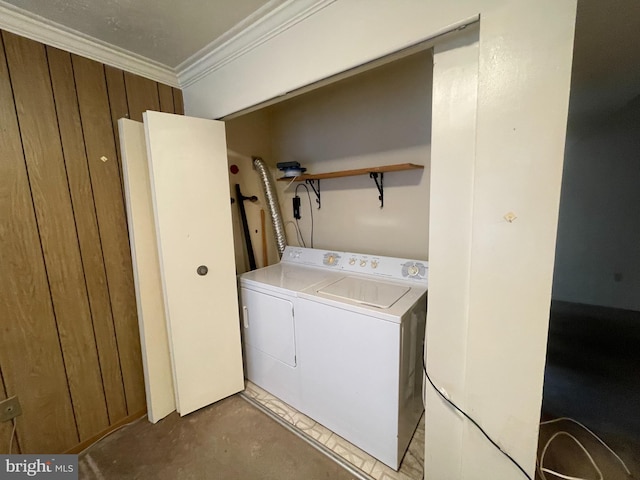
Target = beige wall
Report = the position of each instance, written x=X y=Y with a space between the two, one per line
x=380 y=117
x=248 y=136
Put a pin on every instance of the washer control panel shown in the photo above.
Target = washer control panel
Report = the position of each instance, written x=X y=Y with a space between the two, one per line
x=376 y=265
x=388 y=267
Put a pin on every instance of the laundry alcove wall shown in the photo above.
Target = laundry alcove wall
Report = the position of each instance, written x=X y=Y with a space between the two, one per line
x=379 y=117
x=506 y=141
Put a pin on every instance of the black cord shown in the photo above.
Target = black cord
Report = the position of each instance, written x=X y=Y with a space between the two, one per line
x=424 y=367
x=310 y=208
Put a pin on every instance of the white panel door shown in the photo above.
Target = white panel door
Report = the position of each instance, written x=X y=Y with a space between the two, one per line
x=190 y=191
x=156 y=359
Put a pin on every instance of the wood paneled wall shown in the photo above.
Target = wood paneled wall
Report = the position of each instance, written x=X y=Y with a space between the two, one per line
x=69 y=342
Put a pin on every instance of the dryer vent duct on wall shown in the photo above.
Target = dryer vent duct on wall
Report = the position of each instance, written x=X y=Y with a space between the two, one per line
x=272 y=203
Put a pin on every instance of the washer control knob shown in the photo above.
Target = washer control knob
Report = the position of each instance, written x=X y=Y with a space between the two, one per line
x=374 y=264
x=413 y=270
x=352 y=261
x=331 y=259
x=363 y=263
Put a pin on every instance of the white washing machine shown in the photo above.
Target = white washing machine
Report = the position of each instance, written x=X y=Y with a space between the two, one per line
x=268 y=312
x=361 y=340
x=339 y=336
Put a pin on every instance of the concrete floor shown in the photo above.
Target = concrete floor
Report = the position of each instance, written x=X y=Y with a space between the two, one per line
x=593 y=376
x=228 y=440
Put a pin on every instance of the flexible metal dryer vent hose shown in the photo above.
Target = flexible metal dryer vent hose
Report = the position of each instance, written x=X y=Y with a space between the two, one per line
x=271 y=198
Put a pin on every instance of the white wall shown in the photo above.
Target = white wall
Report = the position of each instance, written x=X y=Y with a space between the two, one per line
x=380 y=117
x=598 y=253
x=523 y=73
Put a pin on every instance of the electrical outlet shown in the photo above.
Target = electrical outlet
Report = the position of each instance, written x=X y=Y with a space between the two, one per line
x=10 y=408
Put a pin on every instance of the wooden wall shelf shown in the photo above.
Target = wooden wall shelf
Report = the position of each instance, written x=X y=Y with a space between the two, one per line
x=313 y=179
x=351 y=173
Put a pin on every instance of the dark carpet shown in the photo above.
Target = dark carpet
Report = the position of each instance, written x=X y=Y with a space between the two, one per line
x=593 y=376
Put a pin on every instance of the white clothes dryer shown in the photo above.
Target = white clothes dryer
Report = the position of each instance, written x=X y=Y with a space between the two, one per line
x=268 y=311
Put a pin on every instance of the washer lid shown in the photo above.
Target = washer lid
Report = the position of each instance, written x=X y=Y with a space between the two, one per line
x=367 y=292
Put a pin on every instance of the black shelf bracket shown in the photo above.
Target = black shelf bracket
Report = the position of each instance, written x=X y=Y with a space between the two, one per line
x=312 y=183
x=380 y=186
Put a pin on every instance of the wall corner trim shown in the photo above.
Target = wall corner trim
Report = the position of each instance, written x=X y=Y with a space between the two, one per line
x=35 y=27
x=264 y=24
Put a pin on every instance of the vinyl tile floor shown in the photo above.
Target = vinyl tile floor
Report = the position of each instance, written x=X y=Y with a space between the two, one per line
x=412 y=464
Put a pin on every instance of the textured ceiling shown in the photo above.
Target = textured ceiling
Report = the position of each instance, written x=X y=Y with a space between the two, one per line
x=167 y=31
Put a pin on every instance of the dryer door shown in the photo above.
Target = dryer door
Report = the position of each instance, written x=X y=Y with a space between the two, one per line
x=268 y=325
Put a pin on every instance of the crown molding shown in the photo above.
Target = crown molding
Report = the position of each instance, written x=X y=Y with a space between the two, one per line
x=272 y=19
x=27 y=24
